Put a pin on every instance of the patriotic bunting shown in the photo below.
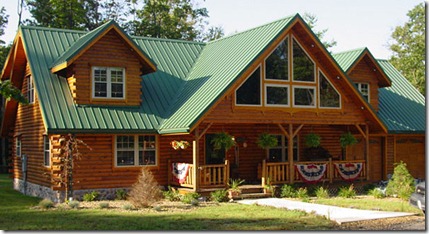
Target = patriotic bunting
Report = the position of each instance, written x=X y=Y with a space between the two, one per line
x=180 y=172
x=311 y=173
x=349 y=171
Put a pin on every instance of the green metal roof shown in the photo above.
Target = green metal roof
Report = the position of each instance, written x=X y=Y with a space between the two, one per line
x=44 y=45
x=190 y=78
x=401 y=106
x=84 y=41
x=219 y=65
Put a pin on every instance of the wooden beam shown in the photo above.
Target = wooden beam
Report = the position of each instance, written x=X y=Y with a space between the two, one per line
x=367 y=152
x=290 y=154
x=361 y=131
x=284 y=131
x=203 y=132
x=297 y=130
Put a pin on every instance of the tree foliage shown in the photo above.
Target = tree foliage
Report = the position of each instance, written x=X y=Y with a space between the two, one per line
x=173 y=19
x=409 y=48
x=311 y=20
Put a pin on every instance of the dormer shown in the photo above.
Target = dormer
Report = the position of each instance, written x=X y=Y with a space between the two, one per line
x=365 y=72
x=104 y=67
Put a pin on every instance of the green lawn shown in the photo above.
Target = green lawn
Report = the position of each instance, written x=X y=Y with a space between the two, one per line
x=17 y=213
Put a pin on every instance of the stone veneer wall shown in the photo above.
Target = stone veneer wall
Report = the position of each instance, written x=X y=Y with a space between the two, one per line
x=36 y=190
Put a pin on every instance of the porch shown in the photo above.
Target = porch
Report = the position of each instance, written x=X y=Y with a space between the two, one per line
x=212 y=177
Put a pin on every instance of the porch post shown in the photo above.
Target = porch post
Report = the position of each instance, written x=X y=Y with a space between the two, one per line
x=290 y=154
x=367 y=151
x=196 y=180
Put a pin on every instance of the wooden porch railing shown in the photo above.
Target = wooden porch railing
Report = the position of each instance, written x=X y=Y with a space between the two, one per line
x=278 y=172
x=216 y=175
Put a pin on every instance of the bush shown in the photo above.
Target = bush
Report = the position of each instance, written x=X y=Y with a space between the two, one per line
x=121 y=194
x=191 y=198
x=145 y=191
x=219 y=195
x=74 y=204
x=92 y=196
x=402 y=183
x=172 y=194
x=128 y=206
x=376 y=193
x=103 y=205
x=288 y=191
x=46 y=204
x=368 y=188
x=302 y=193
x=322 y=192
x=347 y=192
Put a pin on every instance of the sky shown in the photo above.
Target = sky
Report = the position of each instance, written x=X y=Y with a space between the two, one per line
x=352 y=24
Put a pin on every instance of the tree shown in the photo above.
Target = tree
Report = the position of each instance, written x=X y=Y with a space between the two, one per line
x=409 y=49
x=311 y=21
x=173 y=19
x=4 y=50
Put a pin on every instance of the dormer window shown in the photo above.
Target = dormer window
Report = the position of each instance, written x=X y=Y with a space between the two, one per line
x=363 y=89
x=108 y=82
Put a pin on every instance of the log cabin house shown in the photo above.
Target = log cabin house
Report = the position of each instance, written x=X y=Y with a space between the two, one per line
x=132 y=98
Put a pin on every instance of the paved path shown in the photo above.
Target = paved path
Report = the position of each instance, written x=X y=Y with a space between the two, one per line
x=334 y=213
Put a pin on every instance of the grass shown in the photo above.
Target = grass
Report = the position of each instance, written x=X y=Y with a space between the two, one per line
x=17 y=213
x=369 y=203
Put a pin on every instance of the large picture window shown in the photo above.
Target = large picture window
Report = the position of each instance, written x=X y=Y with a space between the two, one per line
x=134 y=150
x=277 y=64
x=249 y=93
x=277 y=95
x=329 y=97
x=303 y=66
x=108 y=82
x=304 y=96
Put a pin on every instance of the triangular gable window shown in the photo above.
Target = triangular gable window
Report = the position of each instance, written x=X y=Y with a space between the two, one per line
x=303 y=66
x=249 y=93
x=329 y=97
x=277 y=64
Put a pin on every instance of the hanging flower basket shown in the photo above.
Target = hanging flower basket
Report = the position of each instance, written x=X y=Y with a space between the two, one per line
x=179 y=144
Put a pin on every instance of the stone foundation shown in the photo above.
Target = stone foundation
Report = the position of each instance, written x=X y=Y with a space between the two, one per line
x=36 y=190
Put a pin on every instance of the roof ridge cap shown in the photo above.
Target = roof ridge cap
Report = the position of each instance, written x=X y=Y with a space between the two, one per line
x=254 y=28
x=168 y=40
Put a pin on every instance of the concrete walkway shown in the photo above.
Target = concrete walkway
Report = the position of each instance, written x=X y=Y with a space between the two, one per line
x=334 y=213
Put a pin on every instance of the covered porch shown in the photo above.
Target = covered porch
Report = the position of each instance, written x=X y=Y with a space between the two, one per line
x=202 y=175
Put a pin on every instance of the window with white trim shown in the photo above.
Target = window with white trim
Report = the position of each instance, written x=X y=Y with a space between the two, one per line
x=277 y=64
x=30 y=90
x=304 y=96
x=46 y=151
x=329 y=97
x=133 y=150
x=108 y=82
x=363 y=89
x=276 y=95
x=18 y=145
x=303 y=67
x=249 y=93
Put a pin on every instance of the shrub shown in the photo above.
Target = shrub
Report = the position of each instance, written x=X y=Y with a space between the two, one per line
x=121 y=194
x=92 y=196
x=288 y=191
x=368 y=187
x=302 y=193
x=145 y=191
x=46 y=204
x=219 y=195
x=191 y=198
x=128 y=206
x=376 y=193
x=103 y=205
x=74 y=204
x=347 y=192
x=402 y=183
x=171 y=194
x=322 y=192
